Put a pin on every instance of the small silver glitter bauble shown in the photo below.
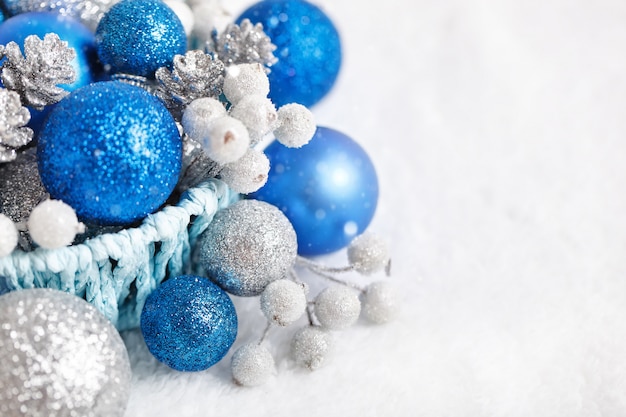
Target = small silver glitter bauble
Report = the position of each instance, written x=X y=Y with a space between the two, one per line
x=379 y=302
x=247 y=246
x=337 y=307
x=59 y=357
x=252 y=364
x=283 y=302
x=310 y=346
x=368 y=253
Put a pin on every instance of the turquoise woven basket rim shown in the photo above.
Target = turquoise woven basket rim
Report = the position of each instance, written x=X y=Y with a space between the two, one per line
x=117 y=271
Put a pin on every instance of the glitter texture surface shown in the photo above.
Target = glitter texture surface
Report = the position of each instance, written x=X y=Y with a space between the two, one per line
x=59 y=357
x=283 y=302
x=368 y=253
x=189 y=323
x=308 y=49
x=111 y=151
x=380 y=302
x=337 y=307
x=138 y=37
x=247 y=246
x=310 y=346
x=21 y=190
x=252 y=364
x=328 y=189
x=89 y=12
x=77 y=36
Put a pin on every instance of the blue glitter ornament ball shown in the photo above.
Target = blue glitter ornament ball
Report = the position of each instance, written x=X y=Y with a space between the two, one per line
x=308 y=49
x=110 y=150
x=328 y=189
x=139 y=36
x=189 y=323
x=77 y=36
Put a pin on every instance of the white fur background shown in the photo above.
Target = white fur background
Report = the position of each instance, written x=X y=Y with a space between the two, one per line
x=497 y=128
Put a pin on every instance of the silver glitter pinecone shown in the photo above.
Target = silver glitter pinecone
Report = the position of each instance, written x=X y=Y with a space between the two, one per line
x=59 y=357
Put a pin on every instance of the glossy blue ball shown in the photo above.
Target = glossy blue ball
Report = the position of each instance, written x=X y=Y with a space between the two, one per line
x=308 y=49
x=77 y=36
x=110 y=150
x=328 y=189
x=139 y=36
x=189 y=323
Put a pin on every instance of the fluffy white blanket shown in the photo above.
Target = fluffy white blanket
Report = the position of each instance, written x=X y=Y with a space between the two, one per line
x=497 y=128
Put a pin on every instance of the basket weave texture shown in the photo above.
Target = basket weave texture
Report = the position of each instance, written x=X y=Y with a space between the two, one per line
x=117 y=271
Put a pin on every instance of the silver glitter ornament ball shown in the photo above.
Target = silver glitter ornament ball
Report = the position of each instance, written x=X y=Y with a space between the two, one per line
x=247 y=246
x=59 y=357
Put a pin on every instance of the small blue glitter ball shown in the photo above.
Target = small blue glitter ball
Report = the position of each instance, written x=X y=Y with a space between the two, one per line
x=77 y=36
x=110 y=150
x=328 y=189
x=308 y=49
x=139 y=36
x=189 y=323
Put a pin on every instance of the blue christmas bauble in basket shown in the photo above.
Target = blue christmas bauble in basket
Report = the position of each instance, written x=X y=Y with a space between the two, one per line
x=116 y=272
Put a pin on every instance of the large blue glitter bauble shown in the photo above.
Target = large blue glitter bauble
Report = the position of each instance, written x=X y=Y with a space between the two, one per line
x=139 y=36
x=328 y=189
x=308 y=49
x=189 y=323
x=77 y=36
x=110 y=150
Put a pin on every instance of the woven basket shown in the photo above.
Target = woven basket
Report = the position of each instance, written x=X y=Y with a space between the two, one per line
x=117 y=271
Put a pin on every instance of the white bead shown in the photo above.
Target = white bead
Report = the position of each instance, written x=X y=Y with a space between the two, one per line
x=245 y=80
x=296 y=125
x=252 y=364
x=225 y=140
x=337 y=307
x=183 y=12
x=380 y=302
x=198 y=114
x=257 y=113
x=283 y=302
x=310 y=347
x=248 y=173
x=8 y=236
x=368 y=253
x=53 y=224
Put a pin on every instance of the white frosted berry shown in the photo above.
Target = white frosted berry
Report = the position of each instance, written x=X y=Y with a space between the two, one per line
x=225 y=140
x=257 y=113
x=296 y=125
x=183 y=12
x=379 y=302
x=198 y=114
x=310 y=347
x=53 y=224
x=245 y=80
x=337 y=307
x=368 y=253
x=283 y=302
x=8 y=236
x=248 y=173
x=252 y=364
